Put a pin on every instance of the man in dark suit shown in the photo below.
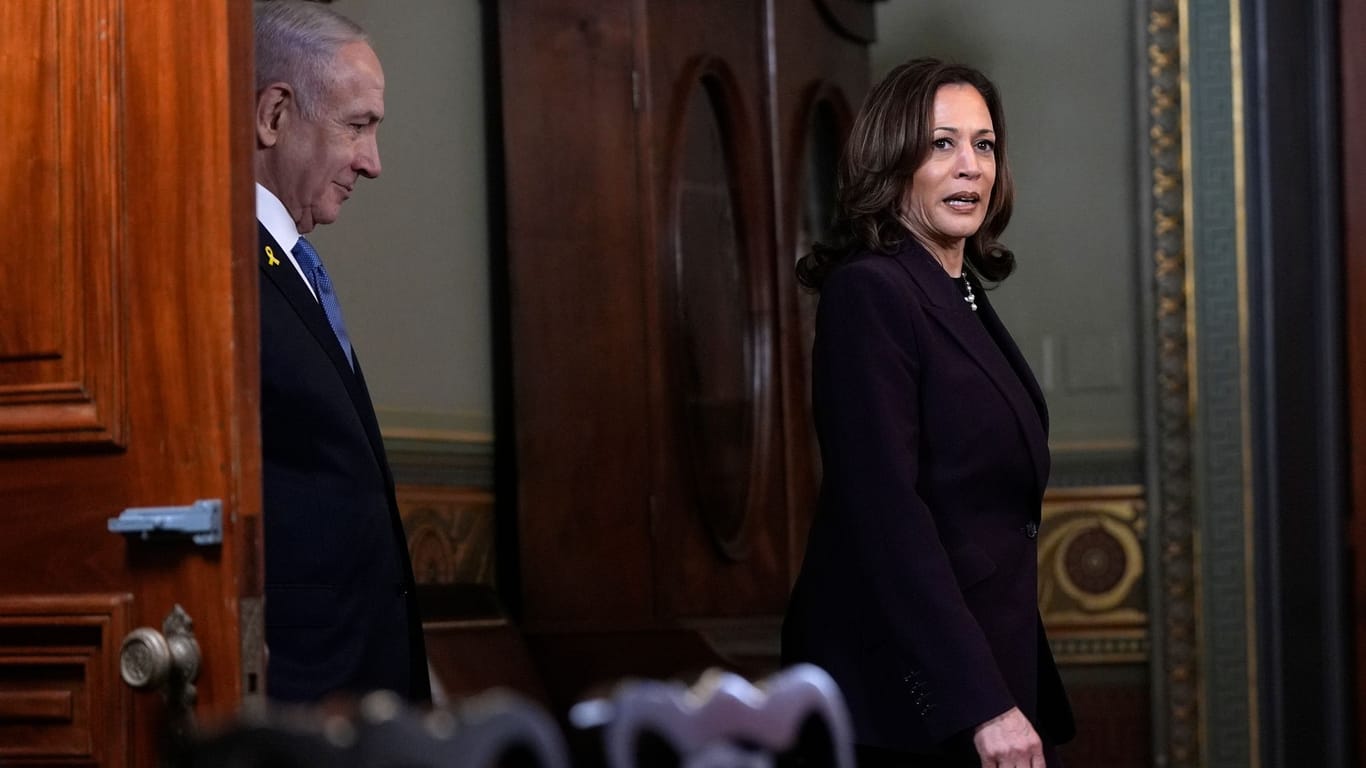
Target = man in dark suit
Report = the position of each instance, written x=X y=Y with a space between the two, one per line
x=341 y=611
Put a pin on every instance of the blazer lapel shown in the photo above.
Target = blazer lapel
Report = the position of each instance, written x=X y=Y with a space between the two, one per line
x=276 y=267
x=1034 y=421
x=1012 y=352
x=981 y=339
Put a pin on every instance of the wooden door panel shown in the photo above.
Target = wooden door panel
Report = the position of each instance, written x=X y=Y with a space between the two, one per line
x=58 y=704
x=128 y=362
x=60 y=374
x=820 y=77
x=715 y=553
x=580 y=382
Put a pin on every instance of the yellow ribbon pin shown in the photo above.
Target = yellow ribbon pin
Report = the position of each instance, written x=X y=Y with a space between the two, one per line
x=270 y=257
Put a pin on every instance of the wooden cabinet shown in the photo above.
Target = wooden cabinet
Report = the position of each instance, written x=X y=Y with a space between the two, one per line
x=664 y=162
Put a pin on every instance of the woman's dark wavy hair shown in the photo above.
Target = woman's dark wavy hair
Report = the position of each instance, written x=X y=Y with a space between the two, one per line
x=891 y=137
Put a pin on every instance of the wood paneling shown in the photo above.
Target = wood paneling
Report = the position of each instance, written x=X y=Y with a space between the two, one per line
x=36 y=706
x=713 y=555
x=578 y=324
x=1113 y=709
x=656 y=353
x=504 y=660
x=61 y=700
x=815 y=70
x=61 y=373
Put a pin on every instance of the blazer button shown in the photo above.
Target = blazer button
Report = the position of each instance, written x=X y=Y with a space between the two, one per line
x=1031 y=529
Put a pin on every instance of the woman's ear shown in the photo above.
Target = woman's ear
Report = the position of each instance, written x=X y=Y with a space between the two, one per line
x=272 y=106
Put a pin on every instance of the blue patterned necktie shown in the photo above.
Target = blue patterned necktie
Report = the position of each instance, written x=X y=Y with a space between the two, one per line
x=312 y=267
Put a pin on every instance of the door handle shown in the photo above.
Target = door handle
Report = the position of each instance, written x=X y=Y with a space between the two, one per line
x=202 y=521
x=167 y=661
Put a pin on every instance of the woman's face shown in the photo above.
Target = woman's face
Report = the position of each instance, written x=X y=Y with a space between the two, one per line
x=947 y=198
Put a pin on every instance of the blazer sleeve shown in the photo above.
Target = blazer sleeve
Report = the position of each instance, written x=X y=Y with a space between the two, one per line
x=867 y=370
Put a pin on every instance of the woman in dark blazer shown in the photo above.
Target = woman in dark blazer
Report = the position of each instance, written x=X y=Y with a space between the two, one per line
x=919 y=587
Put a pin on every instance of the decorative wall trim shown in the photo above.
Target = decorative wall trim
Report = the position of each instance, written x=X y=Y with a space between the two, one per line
x=450 y=535
x=1093 y=575
x=1109 y=647
x=1217 y=285
x=448 y=461
x=1175 y=616
x=1205 y=708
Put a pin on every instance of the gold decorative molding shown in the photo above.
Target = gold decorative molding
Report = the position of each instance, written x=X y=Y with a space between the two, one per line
x=1092 y=585
x=1102 y=647
x=1176 y=545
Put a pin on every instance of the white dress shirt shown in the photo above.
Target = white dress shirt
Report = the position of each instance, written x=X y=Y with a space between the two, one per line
x=277 y=221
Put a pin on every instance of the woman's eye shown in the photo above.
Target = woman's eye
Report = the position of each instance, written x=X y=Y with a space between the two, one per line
x=942 y=143
x=986 y=146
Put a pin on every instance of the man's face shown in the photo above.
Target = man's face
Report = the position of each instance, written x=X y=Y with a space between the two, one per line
x=318 y=161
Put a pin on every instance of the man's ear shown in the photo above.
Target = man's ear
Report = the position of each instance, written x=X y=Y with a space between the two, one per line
x=273 y=104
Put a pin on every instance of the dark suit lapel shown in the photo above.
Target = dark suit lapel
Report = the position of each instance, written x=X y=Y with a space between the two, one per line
x=998 y=331
x=1036 y=428
x=1007 y=370
x=276 y=267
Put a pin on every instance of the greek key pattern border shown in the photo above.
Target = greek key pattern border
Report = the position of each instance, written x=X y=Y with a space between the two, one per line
x=1221 y=392
x=1178 y=638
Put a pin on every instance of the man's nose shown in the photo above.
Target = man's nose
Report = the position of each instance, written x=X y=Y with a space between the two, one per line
x=367 y=159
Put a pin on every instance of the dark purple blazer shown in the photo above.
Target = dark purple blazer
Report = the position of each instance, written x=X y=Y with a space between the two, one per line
x=918 y=591
x=341 y=605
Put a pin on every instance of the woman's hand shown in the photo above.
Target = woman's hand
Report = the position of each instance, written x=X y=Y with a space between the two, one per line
x=1008 y=741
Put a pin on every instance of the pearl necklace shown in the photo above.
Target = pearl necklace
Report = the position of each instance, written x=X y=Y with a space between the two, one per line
x=968 y=296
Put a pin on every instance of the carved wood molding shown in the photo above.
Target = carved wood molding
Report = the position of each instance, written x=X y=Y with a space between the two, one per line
x=450 y=534
x=61 y=365
x=708 y=83
x=61 y=699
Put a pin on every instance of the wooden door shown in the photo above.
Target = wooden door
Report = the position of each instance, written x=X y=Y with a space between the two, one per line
x=128 y=363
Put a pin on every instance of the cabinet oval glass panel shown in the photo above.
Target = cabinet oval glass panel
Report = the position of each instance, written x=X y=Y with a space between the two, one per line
x=714 y=340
